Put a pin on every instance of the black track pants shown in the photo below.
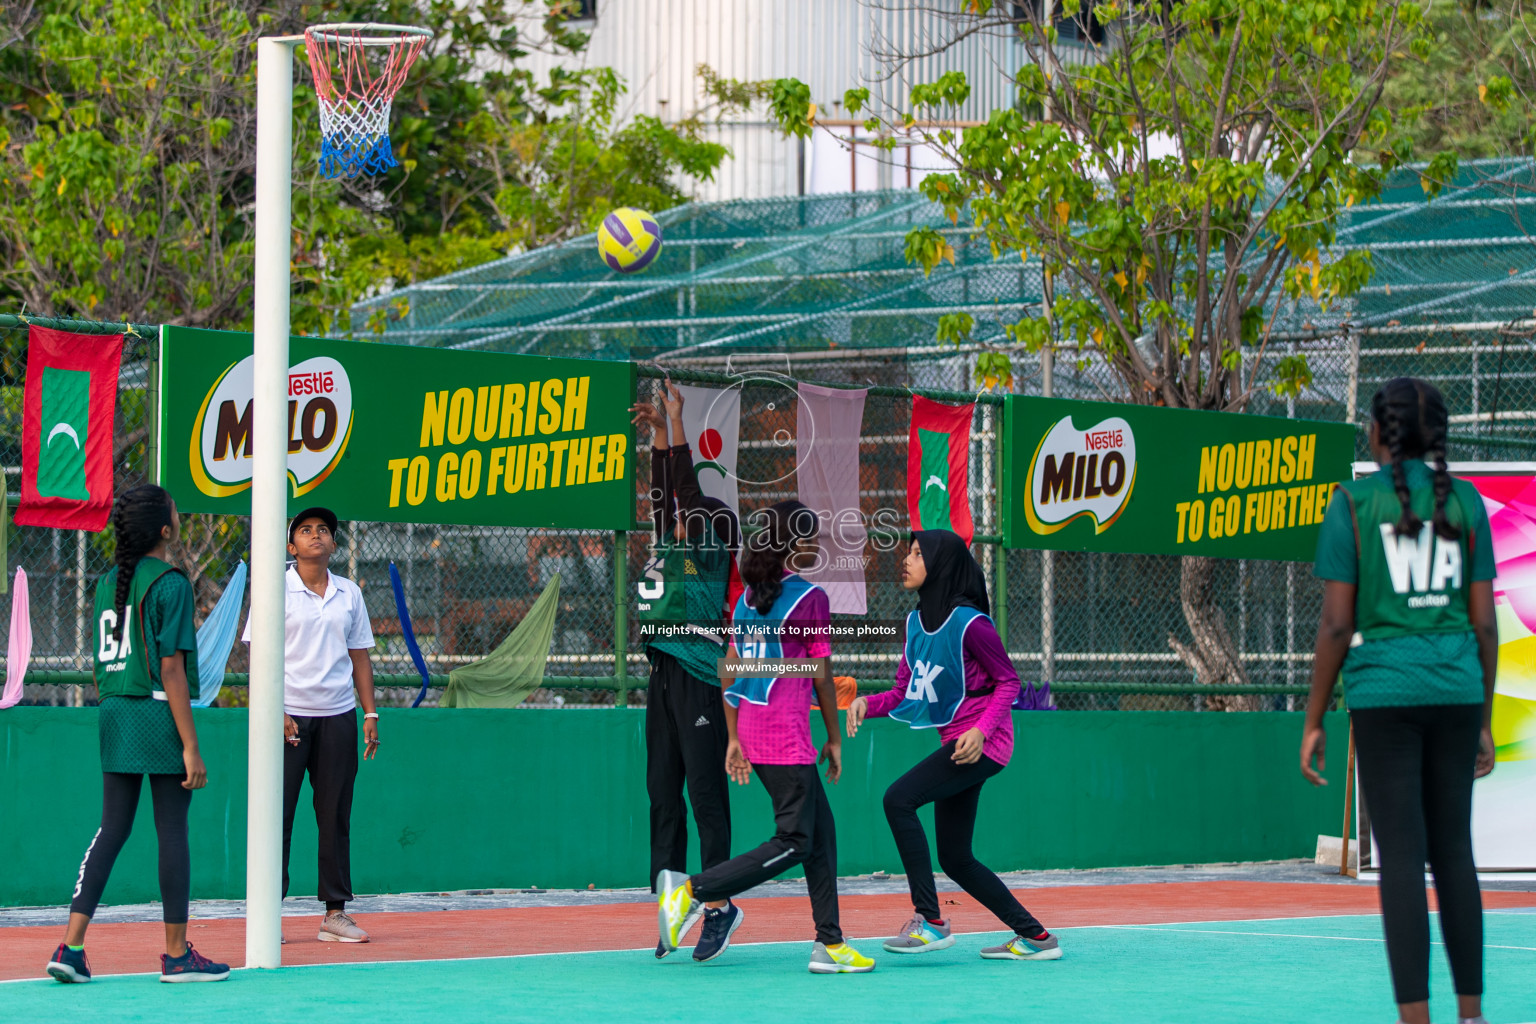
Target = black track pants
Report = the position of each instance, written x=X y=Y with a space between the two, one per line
x=1416 y=767
x=804 y=834
x=327 y=750
x=685 y=740
x=954 y=790
x=119 y=803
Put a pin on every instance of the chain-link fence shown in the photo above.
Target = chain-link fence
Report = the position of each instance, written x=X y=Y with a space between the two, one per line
x=1098 y=627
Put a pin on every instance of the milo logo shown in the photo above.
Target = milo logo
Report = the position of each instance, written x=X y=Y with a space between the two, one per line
x=1078 y=473
x=319 y=426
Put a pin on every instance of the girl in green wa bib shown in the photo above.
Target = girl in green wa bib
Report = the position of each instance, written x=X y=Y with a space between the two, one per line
x=1408 y=616
x=146 y=677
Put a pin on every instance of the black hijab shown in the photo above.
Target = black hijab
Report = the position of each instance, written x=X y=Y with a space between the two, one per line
x=721 y=520
x=954 y=579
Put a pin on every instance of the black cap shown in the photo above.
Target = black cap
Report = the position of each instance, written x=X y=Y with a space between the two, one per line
x=325 y=515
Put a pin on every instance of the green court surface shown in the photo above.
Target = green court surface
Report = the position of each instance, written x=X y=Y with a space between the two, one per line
x=1307 y=970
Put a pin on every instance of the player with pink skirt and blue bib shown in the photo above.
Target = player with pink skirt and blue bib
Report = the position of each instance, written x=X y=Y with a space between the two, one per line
x=779 y=617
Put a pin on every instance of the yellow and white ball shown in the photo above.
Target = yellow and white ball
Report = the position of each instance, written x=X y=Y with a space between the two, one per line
x=628 y=240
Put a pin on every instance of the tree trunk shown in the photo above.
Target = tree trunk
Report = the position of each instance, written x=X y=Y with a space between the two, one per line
x=1212 y=656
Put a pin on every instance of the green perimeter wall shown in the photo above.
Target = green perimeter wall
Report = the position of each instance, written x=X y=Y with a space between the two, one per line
x=462 y=799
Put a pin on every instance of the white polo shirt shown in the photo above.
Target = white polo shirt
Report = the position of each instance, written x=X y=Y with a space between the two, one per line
x=317 y=670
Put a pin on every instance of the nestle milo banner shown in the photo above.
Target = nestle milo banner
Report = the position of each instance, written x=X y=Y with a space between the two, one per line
x=1094 y=476
x=401 y=434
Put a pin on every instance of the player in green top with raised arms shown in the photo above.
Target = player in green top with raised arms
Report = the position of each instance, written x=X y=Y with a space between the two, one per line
x=687 y=589
x=1408 y=615
x=146 y=677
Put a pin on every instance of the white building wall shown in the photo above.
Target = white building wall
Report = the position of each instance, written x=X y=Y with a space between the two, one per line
x=832 y=45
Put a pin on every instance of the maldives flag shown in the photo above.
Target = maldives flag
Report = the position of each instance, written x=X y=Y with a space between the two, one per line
x=67 y=412
x=938 y=467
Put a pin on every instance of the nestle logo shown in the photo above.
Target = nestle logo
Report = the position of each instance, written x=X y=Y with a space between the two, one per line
x=1081 y=472
x=318 y=383
x=1098 y=440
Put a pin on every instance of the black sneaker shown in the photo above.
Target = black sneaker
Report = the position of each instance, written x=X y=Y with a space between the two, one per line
x=69 y=965
x=191 y=966
x=719 y=926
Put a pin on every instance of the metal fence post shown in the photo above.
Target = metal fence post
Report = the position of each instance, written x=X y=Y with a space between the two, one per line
x=1047 y=557
x=621 y=616
x=82 y=614
x=152 y=413
x=1000 y=558
x=1352 y=396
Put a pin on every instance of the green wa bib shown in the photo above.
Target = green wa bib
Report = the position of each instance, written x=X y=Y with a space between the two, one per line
x=1412 y=585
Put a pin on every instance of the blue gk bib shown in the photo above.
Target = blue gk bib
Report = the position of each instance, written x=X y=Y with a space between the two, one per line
x=937 y=661
x=759 y=636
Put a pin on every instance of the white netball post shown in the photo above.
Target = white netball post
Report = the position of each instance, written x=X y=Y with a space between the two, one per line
x=358 y=68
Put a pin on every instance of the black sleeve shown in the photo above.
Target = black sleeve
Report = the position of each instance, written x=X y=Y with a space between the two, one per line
x=685 y=482
x=661 y=482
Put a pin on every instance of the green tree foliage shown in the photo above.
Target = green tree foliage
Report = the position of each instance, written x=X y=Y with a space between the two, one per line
x=1474 y=92
x=1186 y=177
x=127 y=143
x=1179 y=181
x=126 y=156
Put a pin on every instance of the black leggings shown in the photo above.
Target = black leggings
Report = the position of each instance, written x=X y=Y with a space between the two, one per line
x=954 y=791
x=1416 y=767
x=685 y=741
x=119 y=802
x=804 y=833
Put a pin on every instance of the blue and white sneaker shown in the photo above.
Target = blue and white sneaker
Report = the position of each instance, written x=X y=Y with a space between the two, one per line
x=719 y=926
x=1044 y=947
x=920 y=935
x=69 y=965
x=694 y=913
x=191 y=966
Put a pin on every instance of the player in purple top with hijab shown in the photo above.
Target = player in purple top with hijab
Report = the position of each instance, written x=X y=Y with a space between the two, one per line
x=955 y=677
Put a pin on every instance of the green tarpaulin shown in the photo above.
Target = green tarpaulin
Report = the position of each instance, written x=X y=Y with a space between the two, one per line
x=506 y=677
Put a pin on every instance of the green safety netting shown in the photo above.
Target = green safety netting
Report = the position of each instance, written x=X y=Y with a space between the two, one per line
x=1465 y=257
x=828 y=272
x=812 y=273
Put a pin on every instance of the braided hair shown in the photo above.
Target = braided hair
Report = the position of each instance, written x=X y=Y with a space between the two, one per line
x=762 y=567
x=1411 y=421
x=137 y=519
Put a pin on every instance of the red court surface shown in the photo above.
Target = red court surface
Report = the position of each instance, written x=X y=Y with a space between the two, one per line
x=135 y=948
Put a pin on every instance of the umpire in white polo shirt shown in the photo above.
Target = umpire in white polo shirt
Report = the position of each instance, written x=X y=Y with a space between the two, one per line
x=325 y=659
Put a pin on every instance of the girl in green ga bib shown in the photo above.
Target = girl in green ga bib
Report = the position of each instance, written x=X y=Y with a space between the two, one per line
x=146 y=676
x=1408 y=615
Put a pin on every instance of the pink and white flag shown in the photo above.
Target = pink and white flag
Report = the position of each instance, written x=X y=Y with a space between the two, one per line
x=828 y=422
x=18 y=650
x=712 y=421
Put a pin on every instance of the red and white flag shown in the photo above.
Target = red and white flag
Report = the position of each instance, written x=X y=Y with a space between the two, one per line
x=712 y=422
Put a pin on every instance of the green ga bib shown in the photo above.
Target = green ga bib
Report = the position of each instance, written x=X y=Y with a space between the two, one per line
x=123 y=666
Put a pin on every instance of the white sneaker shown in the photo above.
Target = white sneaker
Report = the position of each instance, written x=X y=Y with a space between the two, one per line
x=1020 y=948
x=341 y=928
x=674 y=902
